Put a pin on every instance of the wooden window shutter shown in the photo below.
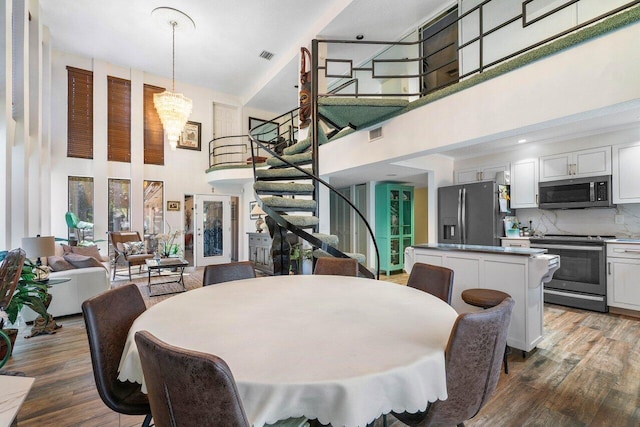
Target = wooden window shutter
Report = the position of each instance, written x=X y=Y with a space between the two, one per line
x=153 y=130
x=79 y=113
x=119 y=119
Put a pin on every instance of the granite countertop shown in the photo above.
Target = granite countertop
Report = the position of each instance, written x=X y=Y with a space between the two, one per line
x=479 y=248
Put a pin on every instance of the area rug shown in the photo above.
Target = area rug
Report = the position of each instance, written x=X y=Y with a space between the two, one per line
x=192 y=279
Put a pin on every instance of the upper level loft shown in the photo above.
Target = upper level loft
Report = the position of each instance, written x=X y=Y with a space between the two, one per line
x=359 y=83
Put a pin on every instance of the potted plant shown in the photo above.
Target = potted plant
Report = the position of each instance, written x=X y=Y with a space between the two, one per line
x=300 y=259
x=30 y=293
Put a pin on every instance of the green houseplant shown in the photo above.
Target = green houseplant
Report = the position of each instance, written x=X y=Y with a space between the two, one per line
x=29 y=292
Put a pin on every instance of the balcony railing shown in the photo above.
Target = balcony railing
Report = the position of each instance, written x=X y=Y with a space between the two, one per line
x=235 y=151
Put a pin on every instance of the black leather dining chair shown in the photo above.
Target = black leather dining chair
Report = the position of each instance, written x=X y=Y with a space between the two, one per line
x=188 y=388
x=108 y=318
x=473 y=358
x=220 y=273
x=336 y=266
x=433 y=279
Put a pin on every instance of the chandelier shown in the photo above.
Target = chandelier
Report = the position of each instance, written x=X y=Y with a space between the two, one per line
x=173 y=108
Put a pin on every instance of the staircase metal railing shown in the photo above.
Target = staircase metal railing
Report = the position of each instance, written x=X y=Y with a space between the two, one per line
x=314 y=241
x=481 y=20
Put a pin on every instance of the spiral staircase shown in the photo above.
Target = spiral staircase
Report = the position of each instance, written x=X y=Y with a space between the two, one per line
x=287 y=190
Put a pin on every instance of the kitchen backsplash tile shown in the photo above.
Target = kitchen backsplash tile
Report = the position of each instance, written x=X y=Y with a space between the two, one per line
x=590 y=221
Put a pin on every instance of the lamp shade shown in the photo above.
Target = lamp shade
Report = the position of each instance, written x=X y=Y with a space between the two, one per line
x=36 y=247
x=257 y=210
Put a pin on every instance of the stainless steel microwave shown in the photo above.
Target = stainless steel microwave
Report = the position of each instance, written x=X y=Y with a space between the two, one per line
x=591 y=192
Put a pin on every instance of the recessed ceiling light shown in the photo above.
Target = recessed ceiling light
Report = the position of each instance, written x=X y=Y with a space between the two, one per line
x=521 y=141
x=392 y=174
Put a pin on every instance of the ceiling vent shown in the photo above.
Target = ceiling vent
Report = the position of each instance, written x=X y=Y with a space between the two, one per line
x=266 y=55
x=375 y=134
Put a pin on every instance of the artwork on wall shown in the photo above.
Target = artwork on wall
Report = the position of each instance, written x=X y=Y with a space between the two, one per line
x=173 y=205
x=190 y=139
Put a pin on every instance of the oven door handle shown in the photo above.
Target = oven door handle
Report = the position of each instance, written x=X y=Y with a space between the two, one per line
x=569 y=247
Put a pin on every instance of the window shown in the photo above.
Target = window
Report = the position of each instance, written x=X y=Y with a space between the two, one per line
x=119 y=119
x=119 y=204
x=81 y=203
x=79 y=113
x=153 y=130
x=153 y=220
x=440 y=51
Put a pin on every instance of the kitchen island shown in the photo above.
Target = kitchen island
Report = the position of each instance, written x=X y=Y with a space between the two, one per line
x=516 y=271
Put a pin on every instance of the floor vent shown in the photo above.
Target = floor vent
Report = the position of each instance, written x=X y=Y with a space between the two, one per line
x=266 y=55
x=375 y=134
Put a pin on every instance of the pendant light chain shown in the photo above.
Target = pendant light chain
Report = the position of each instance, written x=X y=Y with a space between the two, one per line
x=173 y=56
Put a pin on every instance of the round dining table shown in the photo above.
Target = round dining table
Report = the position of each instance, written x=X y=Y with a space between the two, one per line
x=342 y=350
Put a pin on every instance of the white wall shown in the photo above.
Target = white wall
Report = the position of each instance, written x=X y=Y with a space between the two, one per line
x=183 y=171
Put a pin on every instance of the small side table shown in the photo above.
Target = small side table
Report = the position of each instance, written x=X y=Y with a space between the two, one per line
x=164 y=263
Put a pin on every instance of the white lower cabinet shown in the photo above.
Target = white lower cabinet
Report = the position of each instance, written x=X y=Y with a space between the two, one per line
x=516 y=242
x=623 y=273
x=517 y=275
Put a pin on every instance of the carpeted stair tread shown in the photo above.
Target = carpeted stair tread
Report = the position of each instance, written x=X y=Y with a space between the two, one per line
x=329 y=239
x=302 y=221
x=289 y=204
x=282 y=173
x=302 y=145
x=358 y=112
x=319 y=253
x=279 y=187
x=297 y=148
x=296 y=159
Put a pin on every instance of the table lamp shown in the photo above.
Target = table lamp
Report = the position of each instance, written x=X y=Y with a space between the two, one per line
x=257 y=210
x=37 y=247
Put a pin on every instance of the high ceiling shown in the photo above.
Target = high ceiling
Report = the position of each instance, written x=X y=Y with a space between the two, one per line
x=223 y=51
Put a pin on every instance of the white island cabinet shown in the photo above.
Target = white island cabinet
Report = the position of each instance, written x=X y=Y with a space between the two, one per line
x=516 y=271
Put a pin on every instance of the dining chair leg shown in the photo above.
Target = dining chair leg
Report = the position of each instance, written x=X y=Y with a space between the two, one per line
x=147 y=421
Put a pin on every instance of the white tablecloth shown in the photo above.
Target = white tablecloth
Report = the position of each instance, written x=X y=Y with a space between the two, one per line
x=341 y=349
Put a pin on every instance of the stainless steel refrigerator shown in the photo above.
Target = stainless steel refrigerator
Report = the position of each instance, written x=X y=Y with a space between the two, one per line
x=471 y=214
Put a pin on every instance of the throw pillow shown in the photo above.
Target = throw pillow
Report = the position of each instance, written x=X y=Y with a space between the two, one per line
x=133 y=248
x=58 y=263
x=91 y=251
x=82 y=261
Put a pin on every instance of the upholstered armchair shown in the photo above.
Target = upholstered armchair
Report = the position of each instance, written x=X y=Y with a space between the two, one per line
x=129 y=250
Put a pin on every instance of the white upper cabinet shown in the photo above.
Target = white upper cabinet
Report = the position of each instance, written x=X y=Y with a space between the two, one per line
x=483 y=173
x=626 y=173
x=524 y=184
x=591 y=162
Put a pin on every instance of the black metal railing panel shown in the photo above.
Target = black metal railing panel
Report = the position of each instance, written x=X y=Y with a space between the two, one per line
x=489 y=33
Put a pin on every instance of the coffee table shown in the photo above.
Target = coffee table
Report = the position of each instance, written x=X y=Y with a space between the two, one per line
x=158 y=265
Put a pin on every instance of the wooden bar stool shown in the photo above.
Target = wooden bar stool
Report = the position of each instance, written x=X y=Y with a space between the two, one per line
x=487 y=298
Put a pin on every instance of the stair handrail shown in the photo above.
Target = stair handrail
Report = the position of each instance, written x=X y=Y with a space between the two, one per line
x=300 y=232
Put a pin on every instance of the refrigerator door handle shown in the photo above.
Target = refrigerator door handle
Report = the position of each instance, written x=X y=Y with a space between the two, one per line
x=464 y=216
x=460 y=227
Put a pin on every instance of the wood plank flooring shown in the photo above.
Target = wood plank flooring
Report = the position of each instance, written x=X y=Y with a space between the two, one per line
x=586 y=372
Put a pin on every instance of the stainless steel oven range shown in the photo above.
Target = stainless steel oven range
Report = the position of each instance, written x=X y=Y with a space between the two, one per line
x=581 y=279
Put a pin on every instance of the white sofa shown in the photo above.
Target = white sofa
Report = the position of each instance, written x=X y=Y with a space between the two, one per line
x=67 y=297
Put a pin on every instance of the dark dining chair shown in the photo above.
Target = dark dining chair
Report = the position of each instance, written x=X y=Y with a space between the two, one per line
x=433 y=279
x=473 y=358
x=336 y=266
x=108 y=318
x=188 y=388
x=219 y=273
